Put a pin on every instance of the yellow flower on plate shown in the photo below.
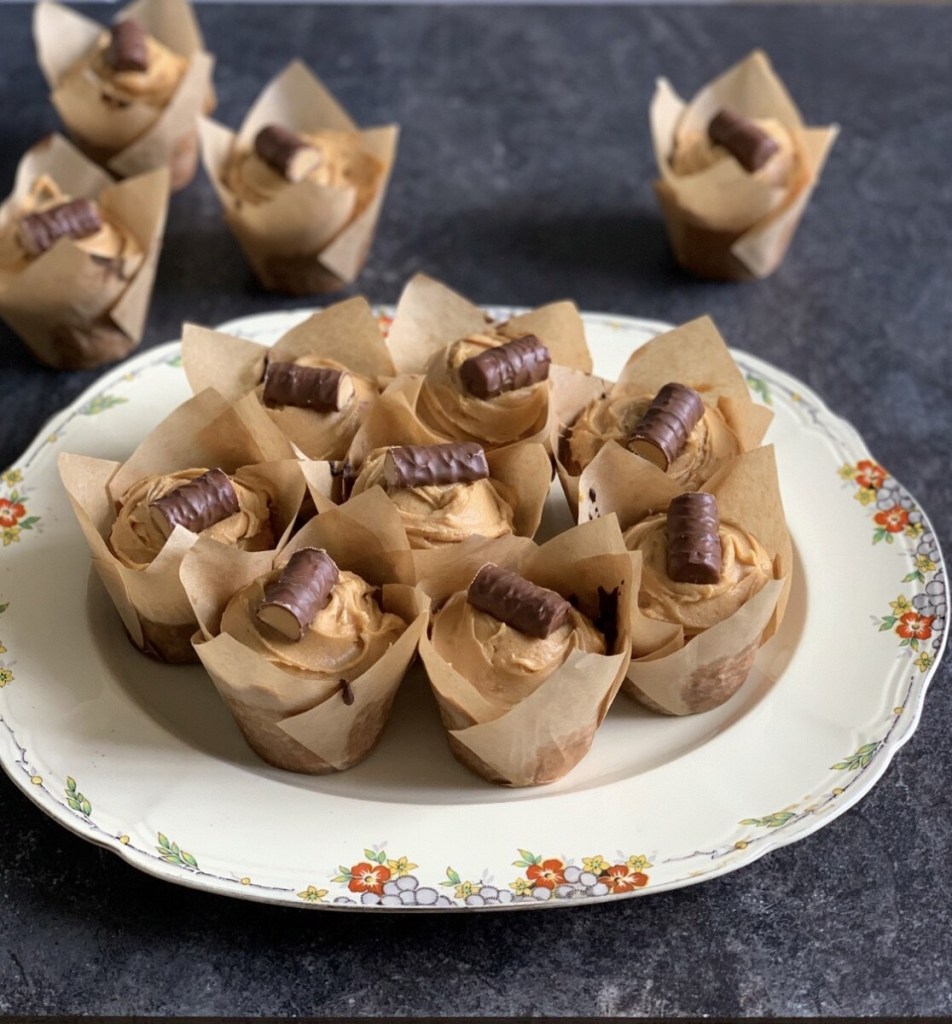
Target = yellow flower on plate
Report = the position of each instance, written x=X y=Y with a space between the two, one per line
x=6 y=676
x=521 y=886
x=639 y=862
x=913 y=530
x=925 y=564
x=900 y=605
x=846 y=471
x=3 y=649
x=596 y=864
x=465 y=889
x=12 y=476
x=312 y=894
x=10 y=534
x=924 y=661
x=400 y=867
x=865 y=495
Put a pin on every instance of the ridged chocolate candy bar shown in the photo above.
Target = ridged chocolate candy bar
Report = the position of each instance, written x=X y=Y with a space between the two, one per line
x=421 y=465
x=308 y=387
x=302 y=589
x=79 y=218
x=742 y=138
x=660 y=434
x=512 y=599
x=516 y=364
x=196 y=505
x=694 y=543
x=127 y=50
x=286 y=152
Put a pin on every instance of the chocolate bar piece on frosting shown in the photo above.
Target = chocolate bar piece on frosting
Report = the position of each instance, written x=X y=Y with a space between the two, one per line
x=694 y=543
x=78 y=218
x=512 y=599
x=308 y=387
x=286 y=152
x=127 y=50
x=516 y=364
x=196 y=505
x=422 y=465
x=302 y=589
x=742 y=138
x=661 y=433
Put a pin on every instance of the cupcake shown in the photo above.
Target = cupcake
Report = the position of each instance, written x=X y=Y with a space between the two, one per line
x=444 y=491
x=317 y=382
x=527 y=648
x=300 y=184
x=680 y=407
x=308 y=648
x=737 y=169
x=130 y=94
x=476 y=380
x=78 y=256
x=209 y=470
x=712 y=571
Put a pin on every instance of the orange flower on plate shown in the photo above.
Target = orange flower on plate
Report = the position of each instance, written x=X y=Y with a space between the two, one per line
x=621 y=878
x=548 y=874
x=913 y=626
x=11 y=512
x=870 y=474
x=368 y=878
x=892 y=520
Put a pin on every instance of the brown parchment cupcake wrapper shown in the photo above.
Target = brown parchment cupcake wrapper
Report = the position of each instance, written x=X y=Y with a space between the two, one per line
x=524 y=469
x=135 y=138
x=693 y=354
x=73 y=311
x=722 y=225
x=429 y=316
x=346 y=333
x=542 y=737
x=203 y=432
x=307 y=239
x=293 y=721
x=686 y=677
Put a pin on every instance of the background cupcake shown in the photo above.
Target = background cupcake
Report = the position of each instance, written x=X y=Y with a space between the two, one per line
x=130 y=94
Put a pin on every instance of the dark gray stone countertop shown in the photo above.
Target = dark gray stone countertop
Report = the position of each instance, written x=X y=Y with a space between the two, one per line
x=524 y=175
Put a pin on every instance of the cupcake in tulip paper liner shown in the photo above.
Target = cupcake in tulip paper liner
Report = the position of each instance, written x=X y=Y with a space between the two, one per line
x=679 y=409
x=208 y=469
x=130 y=95
x=737 y=169
x=300 y=184
x=316 y=383
x=476 y=380
x=528 y=647
x=713 y=570
x=444 y=491
x=308 y=648
x=78 y=255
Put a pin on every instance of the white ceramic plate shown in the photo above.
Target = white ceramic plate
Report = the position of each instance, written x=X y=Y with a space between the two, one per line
x=145 y=760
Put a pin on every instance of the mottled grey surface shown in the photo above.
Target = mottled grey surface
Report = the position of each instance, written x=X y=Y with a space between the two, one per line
x=524 y=175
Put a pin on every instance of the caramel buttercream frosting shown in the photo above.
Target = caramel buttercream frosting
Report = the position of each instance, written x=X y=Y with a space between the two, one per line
x=110 y=243
x=615 y=417
x=137 y=536
x=341 y=161
x=745 y=569
x=694 y=152
x=343 y=640
x=437 y=514
x=446 y=406
x=503 y=664
x=155 y=84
